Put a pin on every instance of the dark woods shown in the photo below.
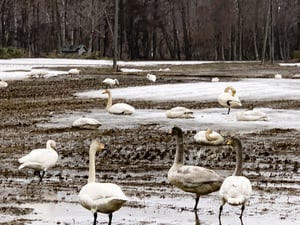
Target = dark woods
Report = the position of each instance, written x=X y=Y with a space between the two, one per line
x=154 y=29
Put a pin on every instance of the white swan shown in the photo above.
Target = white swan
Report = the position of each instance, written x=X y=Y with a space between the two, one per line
x=179 y=112
x=215 y=79
x=194 y=179
x=229 y=99
x=37 y=73
x=109 y=82
x=209 y=137
x=100 y=197
x=251 y=115
x=40 y=159
x=151 y=77
x=236 y=189
x=3 y=84
x=118 y=108
x=86 y=123
x=278 y=76
x=75 y=72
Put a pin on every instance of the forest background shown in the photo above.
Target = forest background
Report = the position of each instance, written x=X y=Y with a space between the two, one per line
x=152 y=29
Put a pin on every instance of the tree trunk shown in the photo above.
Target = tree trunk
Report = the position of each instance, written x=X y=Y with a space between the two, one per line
x=266 y=34
x=115 y=66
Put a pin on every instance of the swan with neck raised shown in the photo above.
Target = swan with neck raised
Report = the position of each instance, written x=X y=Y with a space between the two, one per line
x=180 y=112
x=40 y=159
x=194 y=179
x=209 y=137
x=236 y=189
x=228 y=98
x=118 y=108
x=100 y=197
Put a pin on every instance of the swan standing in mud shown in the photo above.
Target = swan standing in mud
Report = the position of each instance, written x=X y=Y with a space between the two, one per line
x=109 y=82
x=118 y=108
x=228 y=98
x=75 y=72
x=209 y=137
x=100 y=197
x=40 y=159
x=236 y=189
x=180 y=112
x=194 y=179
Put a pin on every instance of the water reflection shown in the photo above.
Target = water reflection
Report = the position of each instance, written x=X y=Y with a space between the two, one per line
x=220 y=223
x=197 y=221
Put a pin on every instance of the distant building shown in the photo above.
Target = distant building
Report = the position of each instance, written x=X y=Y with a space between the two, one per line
x=74 y=49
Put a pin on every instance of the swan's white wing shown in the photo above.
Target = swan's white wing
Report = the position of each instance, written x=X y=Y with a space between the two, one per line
x=192 y=176
x=121 y=108
x=236 y=190
x=102 y=197
x=39 y=159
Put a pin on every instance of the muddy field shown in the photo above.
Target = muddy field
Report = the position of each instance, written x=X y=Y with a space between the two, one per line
x=138 y=157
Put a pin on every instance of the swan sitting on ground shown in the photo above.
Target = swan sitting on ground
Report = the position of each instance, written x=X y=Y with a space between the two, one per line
x=109 y=82
x=118 y=108
x=236 y=189
x=37 y=73
x=229 y=99
x=100 y=197
x=40 y=159
x=180 y=112
x=75 y=72
x=3 y=84
x=194 y=179
x=215 y=79
x=209 y=137
x=151 y=77
x=251 y=115
x=278 y=76
x=86 y=123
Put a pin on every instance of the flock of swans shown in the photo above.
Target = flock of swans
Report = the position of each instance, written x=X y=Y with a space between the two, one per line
x=109 y=197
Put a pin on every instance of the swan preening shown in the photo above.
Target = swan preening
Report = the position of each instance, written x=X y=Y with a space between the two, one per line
x=251 y=115
x=194 y=179
x=3 y=84
x=228 y=98
x=40 y=159
x=180 y=112
x=109 y=82
x=86 y=123
x=118 y=108
x=236 y=189
x=209 y=137
x=151 y=77
x=75 y=72
x=100 y=197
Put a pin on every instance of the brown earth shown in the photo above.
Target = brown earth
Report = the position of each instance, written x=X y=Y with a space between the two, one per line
x=133 y=156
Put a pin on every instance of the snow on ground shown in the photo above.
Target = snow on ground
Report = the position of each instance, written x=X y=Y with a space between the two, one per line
x=247 y=89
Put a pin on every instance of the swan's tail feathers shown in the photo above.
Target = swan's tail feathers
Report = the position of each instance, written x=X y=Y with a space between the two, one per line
x=236 y=201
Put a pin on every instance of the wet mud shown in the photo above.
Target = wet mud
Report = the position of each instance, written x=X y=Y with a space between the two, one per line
x=137 y=158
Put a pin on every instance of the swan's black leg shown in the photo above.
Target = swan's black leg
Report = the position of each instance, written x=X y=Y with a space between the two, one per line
x=220 y=211
x=41 y=175
x=95 y=218
x=243 y=208
x=110 y=218
x=228 y=110
x=196 y=202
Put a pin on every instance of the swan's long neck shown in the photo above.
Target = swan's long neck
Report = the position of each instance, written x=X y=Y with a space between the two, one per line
x=208 y=136
x=109 y=101
x=92 y=169
x=239 y=159
x=179 y=156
